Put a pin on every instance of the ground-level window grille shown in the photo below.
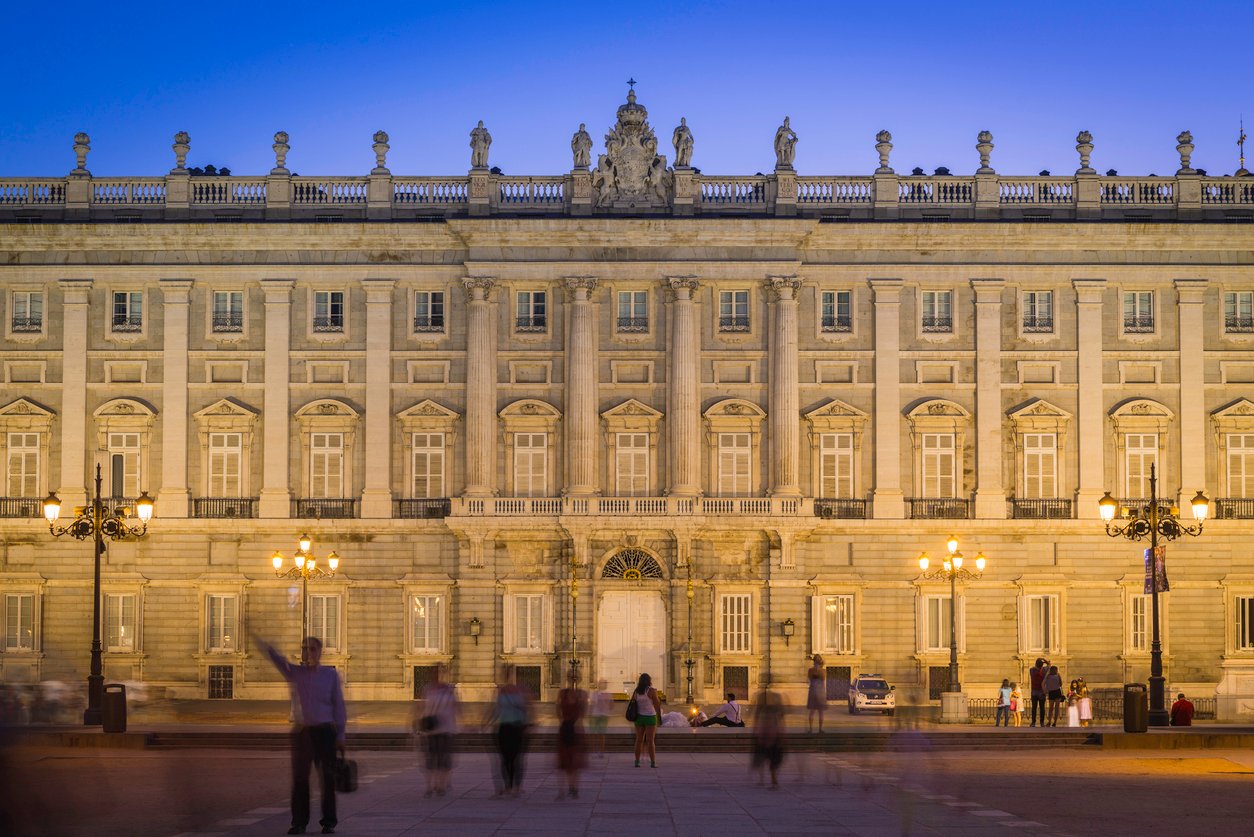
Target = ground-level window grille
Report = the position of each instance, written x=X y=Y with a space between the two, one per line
x=221 y=682
x=937 y=681
x=736 y=681
x=528 y=677
x=838 y=679
x=424 y=676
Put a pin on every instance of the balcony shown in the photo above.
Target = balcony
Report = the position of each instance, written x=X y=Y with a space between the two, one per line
x=1138 y=325
x=422 y=509
x=1039 y=509
x=531 y=324
x=324 y=509
x=224 y=507
x=127 y=324
x=938 y=508
x=840 y=509
x=633 y=325
x=228 y=323
x=21 y=507
x=1232 y=325
x=428 y=324
x=326 y=325
x=837 y=324
x=26 y=325
x=938 y=325
x=733 y=323
x=1234 y=508
x=1038 y=325
x=630 y=507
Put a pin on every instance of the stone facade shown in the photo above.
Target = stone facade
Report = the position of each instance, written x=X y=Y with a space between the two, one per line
x=627 y=441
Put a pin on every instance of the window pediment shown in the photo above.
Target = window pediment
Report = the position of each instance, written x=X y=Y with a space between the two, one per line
x=328 y=415
x=1039 y=415
x=631 y=415
x=734 y=415
x=226 y=414
x=428 y=414
x=530 y=414
x=123 y=414
x=1237 y=415
x=938 y=415
x=835 y=416
x=24 y=414
x=1141 y=414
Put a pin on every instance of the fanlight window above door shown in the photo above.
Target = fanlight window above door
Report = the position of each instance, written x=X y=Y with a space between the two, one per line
x=632 y=565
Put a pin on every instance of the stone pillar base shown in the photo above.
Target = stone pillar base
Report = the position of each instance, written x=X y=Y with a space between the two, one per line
x=376 y=504
x=172 y=503
x=888 y=505
x=1085 y=506
x=954 y=708
x=990 y=505
x=274 y=504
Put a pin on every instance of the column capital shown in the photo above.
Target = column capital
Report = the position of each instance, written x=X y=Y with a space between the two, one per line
x=278 y=290
x=1191 y=291
x=1089 y=290
x=886 y=290
x=581 y=286
x=75 y=290
x=378 y=290
x=176 y=291
x=683 y=286
x=987 y=290
x=478 y=288
x=783 y=287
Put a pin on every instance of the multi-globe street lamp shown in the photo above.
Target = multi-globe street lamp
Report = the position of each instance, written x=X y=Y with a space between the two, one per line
x=951 y=569
x=97 y=522
x=305 y=566
x=1154 y=522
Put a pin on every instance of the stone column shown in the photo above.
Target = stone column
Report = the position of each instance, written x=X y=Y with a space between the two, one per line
x=785 y=446
x=581 y=389
x=276 y=495
x=683 y=390
x=74 y=294
x=1091 y=419
x=481 y=447
x=1191 y=296
x=990 y=492
x=887 y=500
x=173 y=494
x=376 y=497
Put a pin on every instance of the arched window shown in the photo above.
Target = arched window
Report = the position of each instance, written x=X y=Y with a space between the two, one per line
x=632 y=565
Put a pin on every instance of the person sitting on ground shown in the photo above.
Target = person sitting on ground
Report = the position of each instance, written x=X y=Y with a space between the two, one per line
x=728 y=715
x=1182 y=712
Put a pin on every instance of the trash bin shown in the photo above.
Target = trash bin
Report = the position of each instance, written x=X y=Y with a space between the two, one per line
x=113 y=708
x=1135 y=707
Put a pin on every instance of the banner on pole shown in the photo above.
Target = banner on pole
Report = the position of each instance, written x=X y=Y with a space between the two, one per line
x=1156 y=570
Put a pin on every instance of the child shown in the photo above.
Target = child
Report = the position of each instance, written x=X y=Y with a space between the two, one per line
x=1016 y=704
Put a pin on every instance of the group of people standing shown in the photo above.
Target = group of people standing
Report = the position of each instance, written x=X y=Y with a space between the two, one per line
x=1046 y=694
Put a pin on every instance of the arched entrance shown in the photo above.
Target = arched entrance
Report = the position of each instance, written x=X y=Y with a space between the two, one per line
x=631 y=623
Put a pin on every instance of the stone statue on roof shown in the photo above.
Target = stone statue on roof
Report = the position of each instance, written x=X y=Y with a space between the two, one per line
x=682 y=140
x=785 y=146
x=480 y=139
x=581 y=147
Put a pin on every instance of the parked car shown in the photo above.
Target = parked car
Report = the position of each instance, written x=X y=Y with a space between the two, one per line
x=871 y=693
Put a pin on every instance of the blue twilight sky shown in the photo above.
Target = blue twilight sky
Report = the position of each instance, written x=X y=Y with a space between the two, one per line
x=1034 y=73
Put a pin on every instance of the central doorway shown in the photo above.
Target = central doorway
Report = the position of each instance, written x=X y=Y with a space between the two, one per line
x=631 y=638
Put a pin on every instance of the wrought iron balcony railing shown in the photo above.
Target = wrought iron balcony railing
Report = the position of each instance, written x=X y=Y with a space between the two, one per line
x=533 y=323
x=939 y=508
x=1053 y=508
x=26 y=324
x=733 y=323
x=124 y=324
x=1038 y=325
x=830 y=508
x=938 y=325
x=324 y=509
x=428 y=323
x=633 y=325
x=1232 y=325
x=1138 y=325
x=422 y=508
x=228 y=323
x=21 y=507
x=328 y=324
x=224 y=507
x=1234 y=508
x=837 y=323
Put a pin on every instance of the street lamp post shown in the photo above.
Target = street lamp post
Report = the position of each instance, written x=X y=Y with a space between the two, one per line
x=689 y=662
x=574 y=617
x=96 y=522
x=951 y=570
x=305 y=566
x=1156 y=523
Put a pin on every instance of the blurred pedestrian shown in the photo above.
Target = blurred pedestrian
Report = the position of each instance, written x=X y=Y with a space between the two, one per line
x=1036 y=677
x=511 y=713
x=1016 y=704
x=436 y=724
x=1002 y=718
x=816 y=697
x=318 y=735
x=768 y=733
x=648 y=713
x=572 y=705
x=599 y=706
x=1182 y=712
x=1053 y=690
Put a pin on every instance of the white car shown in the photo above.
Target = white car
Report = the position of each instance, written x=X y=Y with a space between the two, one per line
x=871 y=693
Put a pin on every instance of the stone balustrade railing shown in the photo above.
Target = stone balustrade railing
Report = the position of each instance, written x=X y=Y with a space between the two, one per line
x=631 y=506
x=382 y=196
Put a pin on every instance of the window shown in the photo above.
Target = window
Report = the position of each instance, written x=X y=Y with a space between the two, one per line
x=428 y=453
x=123 y=468
x=1041 y=615
x=226 y=457
x=120 y=622
x=633 y=312
x=1240 y=465
x=936 y=633
x=28 y=311
x=835 y=620
x=22 y=468
x=228 y=311
x=528 y=623
x=1140 y=452
x=733 y=311
x=1245 y=623
x=836 y=465
x=837 y=313
x=221 y=632
x=531 y=314
x=735 y=636
x=328 y=311
x=733 y=464
x=324 y=621
x=426 y=615
x=1038 y=312
x=1238 y=312
x=631 y=465
x=1139 y=622
x=429 y=311
x=19 y=622
x=1040 y=465
x=128 y=311
x=326 y=465
x=531 y=465
x=937 y=312
x=1138 y=312
x=939 y=479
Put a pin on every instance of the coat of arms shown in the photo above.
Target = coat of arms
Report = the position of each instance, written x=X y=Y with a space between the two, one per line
x=631 y=174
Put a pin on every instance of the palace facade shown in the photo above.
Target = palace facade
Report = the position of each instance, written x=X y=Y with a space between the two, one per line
x=633 y=417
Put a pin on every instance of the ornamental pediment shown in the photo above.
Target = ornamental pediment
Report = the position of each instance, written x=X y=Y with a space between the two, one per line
x=1240 y=409
x=124 y=408
x=1141 y=408
x=1039 y=409
x=25 y=408
x=225 y=408
x=429 y=410
x=530 y=408
x=631 y=409
x=735 y=408
x=835 y=408
x=326 y=408
x=938 y=408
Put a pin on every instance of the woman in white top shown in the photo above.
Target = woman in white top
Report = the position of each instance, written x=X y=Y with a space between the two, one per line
x=648 y=711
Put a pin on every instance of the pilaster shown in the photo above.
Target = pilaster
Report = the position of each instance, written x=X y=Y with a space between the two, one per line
x=785 y=439
x=990 y=493
x=887 y=500
x=173 y=494
x=683 y=391
x=885 y=196
x=579 y=187
x=687 y=191
x=581 y=389
x=276 y=495
x=376 y=497
x=987 y=196
x=479 y=196
x=1088 y=196
x=785 y=192
x=1190 y=299
x=1090 y=421
x=480 y=389
x=75 y=295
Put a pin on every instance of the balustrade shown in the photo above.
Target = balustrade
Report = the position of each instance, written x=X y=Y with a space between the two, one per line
x=129 y=191
x=531 y=191
x=1138 y=191
x=32 y=192
x=228 y=190
x=733 y=191
x=1036 y=190
x=431 y=191
x=936 y=190
x=329 y=191
x=834 y=190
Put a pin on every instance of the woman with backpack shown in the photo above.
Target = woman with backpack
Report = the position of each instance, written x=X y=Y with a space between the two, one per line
x=644 y=708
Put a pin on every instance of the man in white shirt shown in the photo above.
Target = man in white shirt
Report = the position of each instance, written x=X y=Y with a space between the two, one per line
x=728 y=715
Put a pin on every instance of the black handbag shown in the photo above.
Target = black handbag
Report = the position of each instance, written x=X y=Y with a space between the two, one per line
x=633 y=711
x=345 y=775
